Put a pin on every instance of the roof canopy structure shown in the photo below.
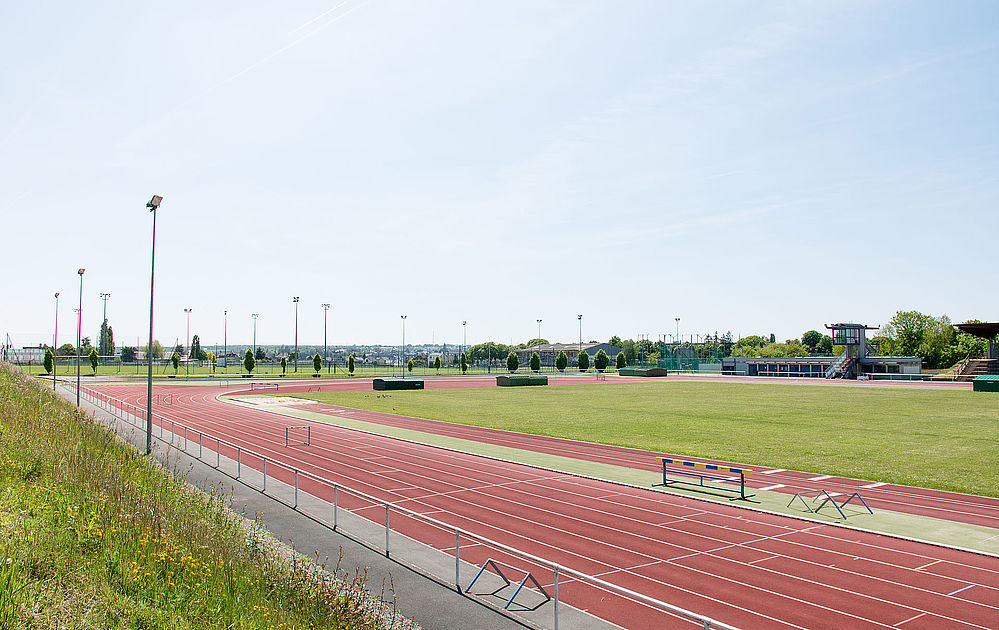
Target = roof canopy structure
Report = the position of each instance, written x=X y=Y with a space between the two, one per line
x=987 y=330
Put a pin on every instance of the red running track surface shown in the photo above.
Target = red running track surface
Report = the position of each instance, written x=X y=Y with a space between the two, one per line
x=748 y=569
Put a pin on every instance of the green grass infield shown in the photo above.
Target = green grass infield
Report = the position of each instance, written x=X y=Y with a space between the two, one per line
x=934 y=438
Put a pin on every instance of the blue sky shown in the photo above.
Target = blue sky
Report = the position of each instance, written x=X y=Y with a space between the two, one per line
x=753 y=167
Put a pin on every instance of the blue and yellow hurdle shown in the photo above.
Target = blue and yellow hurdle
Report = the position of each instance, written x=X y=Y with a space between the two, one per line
x=742 y=472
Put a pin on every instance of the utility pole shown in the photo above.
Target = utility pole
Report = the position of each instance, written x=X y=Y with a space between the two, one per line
x=102 y=344
x=254 y=316
x=187 y=364
x=326 y=354
x=295 y=300
x=79 y=330
x=55 y=342
x=225 y=340
x=580 y=318
x=539 y=345
x=402 y=364
x=153 y=204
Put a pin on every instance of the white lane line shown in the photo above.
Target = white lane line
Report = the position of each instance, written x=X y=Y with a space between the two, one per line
x=776 y=485
x=820 y=477
x=875 y=485
x=770 y=472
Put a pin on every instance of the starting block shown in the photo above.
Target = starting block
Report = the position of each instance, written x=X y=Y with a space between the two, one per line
x=679 y=464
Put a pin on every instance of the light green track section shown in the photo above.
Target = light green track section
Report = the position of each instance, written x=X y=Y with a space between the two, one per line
x=973 y=537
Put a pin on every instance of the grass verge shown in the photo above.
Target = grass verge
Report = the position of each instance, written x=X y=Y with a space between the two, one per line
x=926 y=437
x=96 y=536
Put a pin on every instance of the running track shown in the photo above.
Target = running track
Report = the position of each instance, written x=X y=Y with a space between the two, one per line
x=745 y=568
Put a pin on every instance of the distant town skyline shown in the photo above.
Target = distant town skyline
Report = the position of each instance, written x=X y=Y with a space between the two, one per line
x=748 y=167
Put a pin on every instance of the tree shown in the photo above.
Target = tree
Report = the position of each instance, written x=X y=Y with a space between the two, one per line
x=175 y=360
x=911 y=333
x=535 y=362
x=196 y=352
x=157 y=352
x=93 y=360
x=601 y=361
x=512 y=362
x=212 y=359
x=464 y=363
x=630 y=349
x=583 y=361
x=437 y=363
x=811 y=339
x=179 y=349
x=825 y=345
x=248 y=361
x=66 y=350
x=561 y=361
x=622 y=361
x=128 y=354
x=48 y=360
x=410 y=365
x=260 y=354
x=317 y=363
x=105 y=340
x=284 y=365
x=350 y=364
x=537 y=341
x=615 y=341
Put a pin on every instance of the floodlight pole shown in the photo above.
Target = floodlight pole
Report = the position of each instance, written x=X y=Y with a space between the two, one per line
x=580 y=318
x=225 y=340
x=55 y=342
x=539 y=345
x=104 y=296
x=254 y=316
x=295 y=300
x=153 y=204
x=677 y=330
x=464 y=339
x=326 y=354
x=79 y=330
x=402 y=364
x=187 y=364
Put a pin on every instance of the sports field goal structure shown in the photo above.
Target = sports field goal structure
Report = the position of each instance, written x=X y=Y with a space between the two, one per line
x=298 y=436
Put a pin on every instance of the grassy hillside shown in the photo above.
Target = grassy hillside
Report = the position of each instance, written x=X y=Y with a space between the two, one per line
x=937 y=438
x=92 y=535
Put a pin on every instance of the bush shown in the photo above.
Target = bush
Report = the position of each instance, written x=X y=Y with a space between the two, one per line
x=601 y=361
x=248 y=361
x=437 y=363
x=409 y=365
x=583 y=360
x=535 y=362
x=350 y=364
x=284 y=364
x=317 y=363
x=561 y=361
x=622 y=361
x=512 y=362
x=93 y=359
x=48 y=360
x=175 y=360
x=464 y=363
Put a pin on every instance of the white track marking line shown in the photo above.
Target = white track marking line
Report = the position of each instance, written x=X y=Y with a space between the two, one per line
x=875 y=485
x=910 y=619
x=770 y=472
x=773 y=487
x=820 y=477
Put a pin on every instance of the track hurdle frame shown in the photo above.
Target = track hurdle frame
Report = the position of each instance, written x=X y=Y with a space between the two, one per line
x=742 y=472
x=308 y=435
x=829 y=498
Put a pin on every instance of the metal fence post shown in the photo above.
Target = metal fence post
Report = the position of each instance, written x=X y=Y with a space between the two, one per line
x=239 y=461
x=386 y=530
x=457 y=560
x=296 y=488
x=265 y=475
x=555 y=591
x=334 y=507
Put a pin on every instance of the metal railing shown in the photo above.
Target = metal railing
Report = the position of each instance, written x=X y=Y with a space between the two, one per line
x=135 y=415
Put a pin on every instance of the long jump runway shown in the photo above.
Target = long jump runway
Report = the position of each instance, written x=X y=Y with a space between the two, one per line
x=748 y=569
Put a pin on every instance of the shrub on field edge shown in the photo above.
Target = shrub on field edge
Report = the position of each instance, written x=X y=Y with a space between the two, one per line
x=601 y=361
x=512 y=362
x=535 y=362
x=622 y=361
x=561 y=361
x=248 y=361
x=583 y=361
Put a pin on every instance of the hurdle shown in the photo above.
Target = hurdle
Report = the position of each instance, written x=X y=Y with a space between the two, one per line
x=308 y=436
x=254 y=386
x=742 y=472
x=495 y=564
x=828 y=499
